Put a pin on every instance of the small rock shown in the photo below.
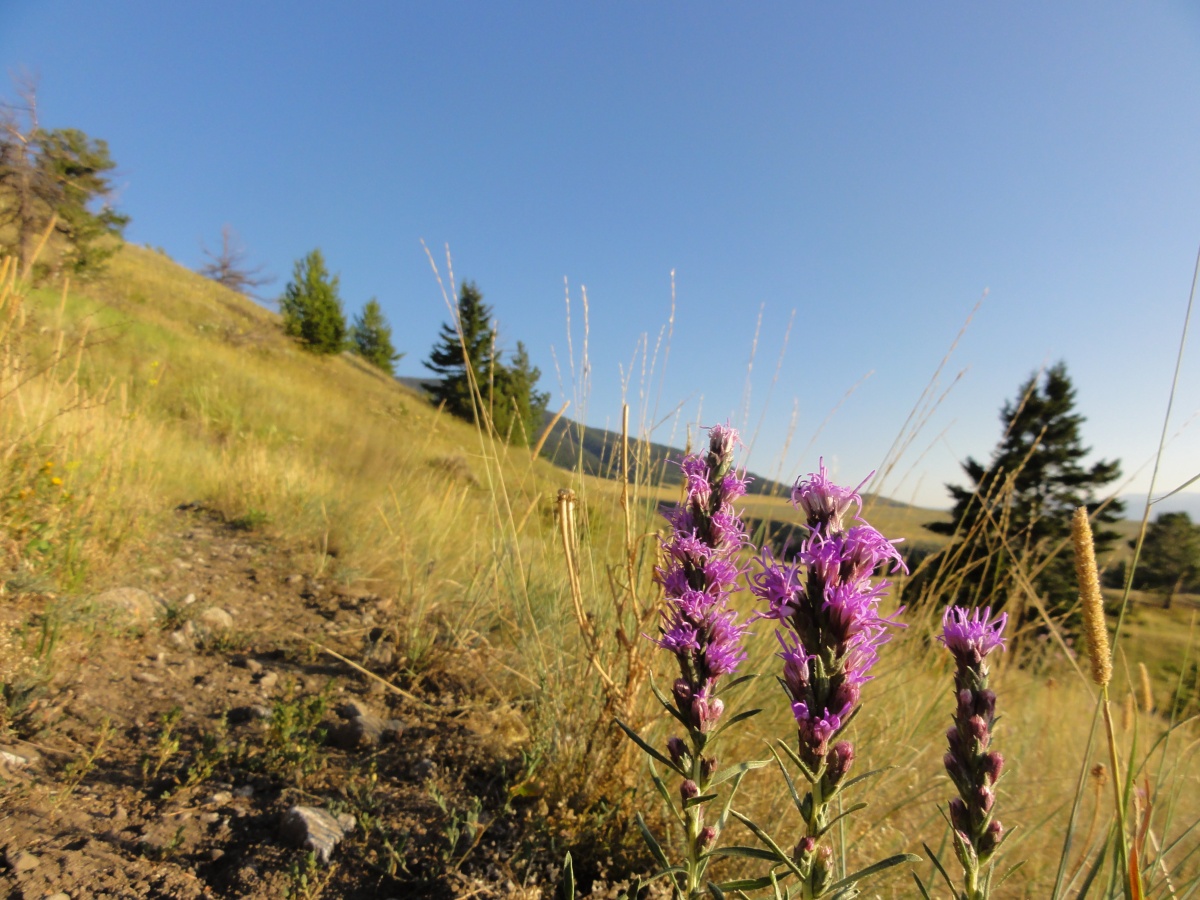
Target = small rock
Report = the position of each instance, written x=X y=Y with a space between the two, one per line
x=189 y=599
x=246 y=790
x=244 y=662
x=181 y=639
x=133 y=603
x=210 y=818
x=295 y=579
x=425 y=769
x=314 y=829
x=215 y=853
x=268 y=680
x=365 y=732
x=241 y=714
x=12 y=759
x=23 y=861
x=380 y=654
x=220 y=797
x=216 y=618
x=145 y=678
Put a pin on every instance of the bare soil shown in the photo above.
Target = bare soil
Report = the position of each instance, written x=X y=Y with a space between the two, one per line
x=163 y=753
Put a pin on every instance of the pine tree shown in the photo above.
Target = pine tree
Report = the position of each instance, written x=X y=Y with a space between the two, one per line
x=311 y=308
x=456 y=369
x=1017 y=511
x=1170 y=558
x=519 y=408
x=371 y=338
x=55 y=175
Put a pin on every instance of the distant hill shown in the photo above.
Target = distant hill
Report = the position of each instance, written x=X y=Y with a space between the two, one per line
x=1184 y=501
x=598 y=452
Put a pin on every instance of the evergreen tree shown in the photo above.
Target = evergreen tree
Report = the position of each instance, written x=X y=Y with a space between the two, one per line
x=1170 y=558
x=519 y=408
x=60 y=175
x=371 y=338
x=1018 y=507
x=456 y=369
x=311 y=308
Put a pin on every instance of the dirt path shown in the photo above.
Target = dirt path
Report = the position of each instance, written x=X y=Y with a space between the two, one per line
x=180 y=725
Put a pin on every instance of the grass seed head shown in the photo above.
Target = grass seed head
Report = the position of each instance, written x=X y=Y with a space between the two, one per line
x=1090 y=599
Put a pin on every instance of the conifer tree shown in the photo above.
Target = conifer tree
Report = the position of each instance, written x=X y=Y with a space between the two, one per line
x=1170 y=558
x=456 y=368
x=1018 y=507
x=519 y=408
x=311 y=308
x=371 y=338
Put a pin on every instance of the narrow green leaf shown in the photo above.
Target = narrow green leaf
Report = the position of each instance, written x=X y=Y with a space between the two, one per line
x=746 y=884
x=745 y=852
x=725 y=774
x=933 y=858
x=1092 y=872
x=667 y=704
x=855 y=808
x=733 y=788
x=655 y=849
x=696 y=801
x=716 y=891
x=737 y=682
x=733 y=720
x=804 y=770
x=880 y=866
x=766 y=839
x=661 y=786
x=787 y=777
x=921 y=886
x=863 y=777
x=647 y=748
x=568 y=880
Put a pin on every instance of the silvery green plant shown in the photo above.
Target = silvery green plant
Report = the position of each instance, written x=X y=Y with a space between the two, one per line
x=970 y=635
x=699 y=572
x=830 y=630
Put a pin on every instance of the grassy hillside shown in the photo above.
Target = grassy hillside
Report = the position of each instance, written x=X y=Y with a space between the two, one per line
x=153 y=387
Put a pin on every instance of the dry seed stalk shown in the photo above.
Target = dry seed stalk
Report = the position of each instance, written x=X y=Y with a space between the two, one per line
x=1090 y=599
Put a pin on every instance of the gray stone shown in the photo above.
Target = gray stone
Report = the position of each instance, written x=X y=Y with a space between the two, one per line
x=216 y=619
x=314 y=829
x=132 y=603
x=181 y=639
x=364 y=732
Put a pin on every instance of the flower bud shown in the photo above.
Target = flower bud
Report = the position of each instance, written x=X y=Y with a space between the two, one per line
x=822 y=870
x=689 y=790
x=678 y=751
x=959 y=817
x=984 y=799
x=708 y=765
x=991 y=839
x=993 y=765
x=979 y=730
x=838 y=761
x=683 y=694
x=705 y=713
x=955 y=767
x=706 y=838
x=985 y=704
x=804 y=848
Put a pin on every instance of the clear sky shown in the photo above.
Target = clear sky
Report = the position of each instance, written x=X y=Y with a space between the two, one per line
x=875 y=167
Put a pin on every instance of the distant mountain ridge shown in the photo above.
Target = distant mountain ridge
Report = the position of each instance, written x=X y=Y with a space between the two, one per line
x=597 y=451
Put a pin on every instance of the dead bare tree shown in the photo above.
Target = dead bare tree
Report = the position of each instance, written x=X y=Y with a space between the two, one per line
x=229 y=267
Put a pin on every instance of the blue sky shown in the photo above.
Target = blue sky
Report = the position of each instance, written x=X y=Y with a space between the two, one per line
x=874 y=167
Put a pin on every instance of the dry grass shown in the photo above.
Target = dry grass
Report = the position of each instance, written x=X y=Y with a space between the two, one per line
x=155 y=387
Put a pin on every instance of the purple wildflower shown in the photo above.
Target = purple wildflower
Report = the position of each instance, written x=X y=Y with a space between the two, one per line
x=830 y=632
x=973 y=767
x=698 y=574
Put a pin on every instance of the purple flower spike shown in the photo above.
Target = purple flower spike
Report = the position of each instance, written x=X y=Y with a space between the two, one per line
x=698 y=574
x=823 y=502
x=972 y=633
x=974 y=768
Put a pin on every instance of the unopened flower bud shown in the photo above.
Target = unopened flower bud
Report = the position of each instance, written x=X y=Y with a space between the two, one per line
x=985 y=799
x=955 y=767
x=706 y=838
x=838 y=761
x=804 y=847
x=689 y=790
x=993 y=765
x=678 y=751
x=985 y=704
x=979 y=730
x=822 y=870
x=683 y=694
x=708 y=765
x=991 y=839
x=705 y=712
x=959 y=817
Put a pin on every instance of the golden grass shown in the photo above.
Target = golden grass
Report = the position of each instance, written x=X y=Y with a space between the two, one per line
x=155 y=387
